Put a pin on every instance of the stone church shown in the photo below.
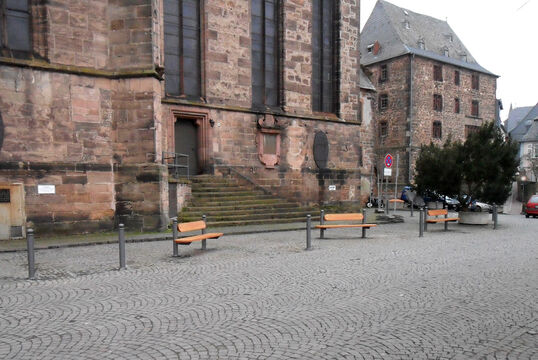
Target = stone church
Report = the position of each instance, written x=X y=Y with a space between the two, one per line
x=100 y=101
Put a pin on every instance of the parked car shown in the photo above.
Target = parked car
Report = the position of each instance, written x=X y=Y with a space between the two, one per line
x=476 y=205
x=531 y=208
x=451 y=204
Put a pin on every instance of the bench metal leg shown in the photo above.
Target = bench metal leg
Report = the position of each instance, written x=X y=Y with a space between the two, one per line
x=363 y=232
x=321 y=222
x=174 y=237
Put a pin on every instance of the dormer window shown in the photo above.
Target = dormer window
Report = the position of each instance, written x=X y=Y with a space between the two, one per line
x=449 y=37
x=406 y=24
x=463 y=57
x=421 y=44
x=445 y=52
x=370 y=48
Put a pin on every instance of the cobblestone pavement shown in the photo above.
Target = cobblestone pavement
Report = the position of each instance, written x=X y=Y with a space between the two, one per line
x=467 y=293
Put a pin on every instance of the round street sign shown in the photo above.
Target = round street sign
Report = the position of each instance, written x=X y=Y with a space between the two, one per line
x=388 y=160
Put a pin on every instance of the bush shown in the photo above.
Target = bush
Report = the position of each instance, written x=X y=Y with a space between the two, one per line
x=483 y=167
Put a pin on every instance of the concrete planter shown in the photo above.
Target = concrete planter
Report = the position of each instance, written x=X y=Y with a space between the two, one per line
x=474 y=218
x=433 y=205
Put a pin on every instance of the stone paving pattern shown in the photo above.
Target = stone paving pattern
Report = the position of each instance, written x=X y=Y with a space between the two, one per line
x=467 y=293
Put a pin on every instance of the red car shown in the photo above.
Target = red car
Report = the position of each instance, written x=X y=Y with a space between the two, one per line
x=532 y=207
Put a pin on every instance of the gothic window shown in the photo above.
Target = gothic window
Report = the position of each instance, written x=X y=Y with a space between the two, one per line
x=437 y=130
x=325 y=49
x=437 y=102
x=265 y=53
x=15 y=27
x=182 y=50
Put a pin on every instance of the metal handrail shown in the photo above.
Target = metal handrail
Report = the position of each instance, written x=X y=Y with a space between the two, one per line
x=168 y=155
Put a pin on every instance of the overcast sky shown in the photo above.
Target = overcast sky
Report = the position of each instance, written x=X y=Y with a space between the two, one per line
x=500 y=34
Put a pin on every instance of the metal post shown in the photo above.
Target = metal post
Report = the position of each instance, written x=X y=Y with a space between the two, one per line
x=203 y=232
x=363 y=221
x=174 y=235
x=321 y=222
x=421 y=222
x=412 y=206
x=446 y=222
x=495 y=216
x=386 y=202
x=308 y=236
x=425 y=219
x=396 y=181
x=31 y=255
x=121 y=241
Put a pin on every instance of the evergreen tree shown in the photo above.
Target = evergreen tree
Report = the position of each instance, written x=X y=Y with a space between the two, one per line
x=483 y=167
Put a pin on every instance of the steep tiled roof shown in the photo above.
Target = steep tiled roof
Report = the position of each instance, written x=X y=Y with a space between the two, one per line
x=532 y=133
x=364 y=81
x=515 y=116
x=400 y=31
x=521 y=130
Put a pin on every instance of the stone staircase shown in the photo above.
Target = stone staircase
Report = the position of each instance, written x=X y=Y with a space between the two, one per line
x=227 y=202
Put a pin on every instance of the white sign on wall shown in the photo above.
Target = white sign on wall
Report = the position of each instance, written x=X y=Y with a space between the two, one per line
x=387 y=172
x=332 y=187
x=46 y=189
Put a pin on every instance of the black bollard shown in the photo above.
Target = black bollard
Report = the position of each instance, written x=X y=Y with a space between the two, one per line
x=121 y=241
x=308 y=235
x=31 y=255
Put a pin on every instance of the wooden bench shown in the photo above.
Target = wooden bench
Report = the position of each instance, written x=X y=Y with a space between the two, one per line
x=342 y=217
x=193 y=226
x=437 y=219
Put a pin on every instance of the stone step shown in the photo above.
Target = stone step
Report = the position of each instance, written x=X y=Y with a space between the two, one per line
x=229 y=203
x=214 y=188
x=232 y=200
x=242 y=207
x=229 y=194
x=249 y=216
x=211 y=224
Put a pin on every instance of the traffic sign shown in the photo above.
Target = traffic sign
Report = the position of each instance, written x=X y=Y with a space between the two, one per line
x=388 y=160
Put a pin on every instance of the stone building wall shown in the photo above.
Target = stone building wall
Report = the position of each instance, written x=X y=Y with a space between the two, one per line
x=86 y=112
x=411 y=127
x=77 y=116
x=232 y=141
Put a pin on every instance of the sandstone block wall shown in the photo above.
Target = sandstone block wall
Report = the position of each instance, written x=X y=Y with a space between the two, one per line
x=227 y=81
x=410 y=120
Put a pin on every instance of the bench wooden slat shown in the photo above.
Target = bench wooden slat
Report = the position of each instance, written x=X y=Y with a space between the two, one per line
x=396 y=201
x=437 y=212
x=442 y=220
x=345 y=226
x=343 y=217
x=191 y=226
x=189 y=239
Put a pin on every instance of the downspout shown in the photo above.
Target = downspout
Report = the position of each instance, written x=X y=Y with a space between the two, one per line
x=410 y=117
